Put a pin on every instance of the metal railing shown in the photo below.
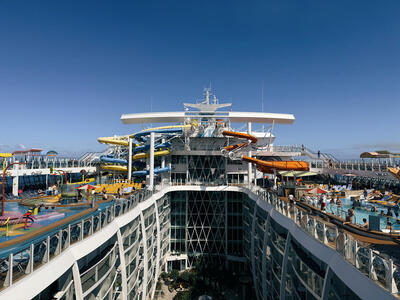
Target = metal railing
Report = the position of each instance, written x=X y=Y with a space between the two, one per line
x=56 y=162
x=354 y=165
x=378 y=267
x=25 y=257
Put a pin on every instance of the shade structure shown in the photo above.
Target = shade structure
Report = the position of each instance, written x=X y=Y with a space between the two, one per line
x=297 y=173
x=86 y=187
x=350 y=175
x=316 y=190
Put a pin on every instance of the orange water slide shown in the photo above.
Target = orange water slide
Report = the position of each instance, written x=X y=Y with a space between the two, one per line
x=268 y=166
x=233 y=147
x=262 y=165
x=239 y=135
x=395 y=172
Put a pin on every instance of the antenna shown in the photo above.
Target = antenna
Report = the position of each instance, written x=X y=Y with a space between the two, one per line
x=207 y=96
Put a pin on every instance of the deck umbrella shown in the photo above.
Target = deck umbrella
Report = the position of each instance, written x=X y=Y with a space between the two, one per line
x=85 y=187
x=316 y=190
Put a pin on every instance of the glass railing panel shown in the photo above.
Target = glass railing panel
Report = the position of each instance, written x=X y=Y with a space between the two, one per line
x=20 y=264
x=87 y=227
x=96 y=222
x=4 y=266
x=363 y=260
x=118 y=210
x=320 y=231
x=39 y=254
x=75 y=233
x=103 y=219
x=380 y=266
x=396 y=277
x=54 y=245
x=306 y=274
x=330 y=233
x=64 y=239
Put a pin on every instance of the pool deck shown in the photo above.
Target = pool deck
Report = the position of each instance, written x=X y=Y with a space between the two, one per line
x=361 y=234
x=31 y=235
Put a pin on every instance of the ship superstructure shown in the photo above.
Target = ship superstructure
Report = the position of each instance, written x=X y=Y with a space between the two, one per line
x=200 y=204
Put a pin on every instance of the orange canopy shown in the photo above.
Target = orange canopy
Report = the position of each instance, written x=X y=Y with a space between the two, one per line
x=316 y=190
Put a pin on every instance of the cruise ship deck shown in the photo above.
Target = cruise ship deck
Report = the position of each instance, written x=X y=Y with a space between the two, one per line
x=199 y=203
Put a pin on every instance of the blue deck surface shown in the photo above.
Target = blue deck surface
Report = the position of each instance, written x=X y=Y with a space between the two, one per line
x=69 y=211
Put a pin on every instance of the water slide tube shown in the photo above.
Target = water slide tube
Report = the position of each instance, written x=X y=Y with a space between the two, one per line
x=156 y=129
x=156 y=171
x=140 y=135
x=240 y=135
x=162 y=129
x=115 y=168
x=112 y=160
x=252 y=140
x=117 y=164
x=268 y=166
x=395 y=172
x=113 y=141
x=147 y=147
x=146 y=155
x=262 y=165
x=134 y=157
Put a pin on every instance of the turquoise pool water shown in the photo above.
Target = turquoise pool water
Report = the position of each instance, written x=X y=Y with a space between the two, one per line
x=361 y=213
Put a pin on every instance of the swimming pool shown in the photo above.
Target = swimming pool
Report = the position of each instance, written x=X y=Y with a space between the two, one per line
x=361 y=213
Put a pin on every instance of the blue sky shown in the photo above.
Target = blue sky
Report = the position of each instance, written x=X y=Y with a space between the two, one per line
x=69 y=69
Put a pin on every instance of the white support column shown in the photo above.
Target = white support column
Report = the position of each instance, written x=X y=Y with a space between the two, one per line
x=327 y=283
x=158 y=253
x=163 y=175
x=130 y=160
x=284 y=267
x=163 y=157
x=252 y=246
x=145 y=259
x=77 y=282
x=151 y=169
x=122 y=267
x=15 y=182
x=249 y=165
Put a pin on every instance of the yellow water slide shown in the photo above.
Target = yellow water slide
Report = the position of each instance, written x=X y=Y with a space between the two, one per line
x=146 y=155
x=113 y=141
x=123 y=141
x=115 y=168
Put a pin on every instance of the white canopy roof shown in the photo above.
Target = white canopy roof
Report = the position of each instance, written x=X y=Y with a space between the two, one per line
x=234 y=117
